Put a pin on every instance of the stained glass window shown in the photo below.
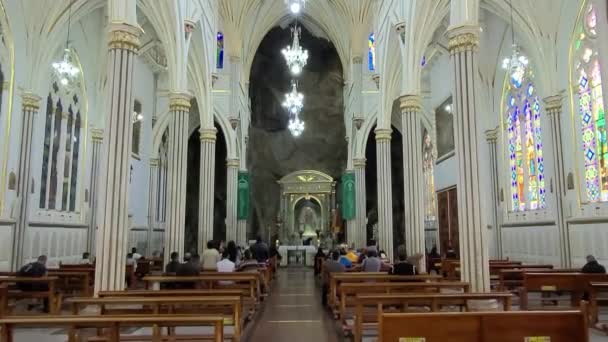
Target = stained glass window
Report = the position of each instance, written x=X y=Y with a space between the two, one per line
x=220 y=51
x=371 y=52
x=522 y=110
x=591 y=106
x=428 y=166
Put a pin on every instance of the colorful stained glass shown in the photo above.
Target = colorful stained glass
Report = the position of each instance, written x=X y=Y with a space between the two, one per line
x=524 y=142
x=371 y=52
x=591 y=107
x=219 y=58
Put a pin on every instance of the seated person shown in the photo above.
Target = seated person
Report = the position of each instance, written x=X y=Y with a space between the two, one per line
x=372 y=263
x=592 y=266
x=344 y=260
x=331 y=266
x=174 y=264
x=136 y=255
x=86 y=259
x=249 y=263
x=34 y=270
x=227 y=266
x=352 y=255
x=187 y=257
x=188 y=269
x=211 y=257
x=403 y=267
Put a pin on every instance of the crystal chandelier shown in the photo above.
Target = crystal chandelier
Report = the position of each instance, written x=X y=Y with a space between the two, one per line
x=135 y=117
x=296 y=126
x=295 y=56
x=294 y=101
x=295 y=6
x=517 y=63
x=65 y=70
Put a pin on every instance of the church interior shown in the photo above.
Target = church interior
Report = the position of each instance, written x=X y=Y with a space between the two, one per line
x=303 y=170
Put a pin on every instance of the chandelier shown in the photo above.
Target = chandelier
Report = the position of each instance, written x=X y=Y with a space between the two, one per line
x=294 y=101
x=136 y=117
x=295 y=56
x=296 y=126
x=517 y=63
x=295 y=6
x=65 y=70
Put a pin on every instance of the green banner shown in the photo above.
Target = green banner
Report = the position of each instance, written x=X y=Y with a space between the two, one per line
x=348 y=196
x=243 y=196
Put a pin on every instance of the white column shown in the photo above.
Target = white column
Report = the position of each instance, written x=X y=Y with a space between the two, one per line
x=175 y=230
x=241 y=224
x=152 y=203
x=232 y=170
x=553 y=107
x=413 y=178
x=361 y=204
x=4 y=139
x=385 y=192
x=113 y=229
x=351 y=225
x=30 y=104
x=463 y=46
x=491 y=138
x=207 y=187
x=96 y=151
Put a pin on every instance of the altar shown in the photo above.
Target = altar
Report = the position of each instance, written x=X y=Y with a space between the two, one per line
x=297 y=255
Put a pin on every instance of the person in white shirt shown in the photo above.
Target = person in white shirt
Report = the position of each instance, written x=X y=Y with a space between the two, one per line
x=136 y=256
x=210 y=257
x=225 y=265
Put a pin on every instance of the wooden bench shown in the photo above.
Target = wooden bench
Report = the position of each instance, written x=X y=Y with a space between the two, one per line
x=512 y=279
x=53 y=298
x=349 y=291
x=547 y=283
x=201 y=305
x=595 y=289
x=435 y=301
x=4 y=309
x=335 y=279
x=74 y=280
x=524 y=326
x=113 y=324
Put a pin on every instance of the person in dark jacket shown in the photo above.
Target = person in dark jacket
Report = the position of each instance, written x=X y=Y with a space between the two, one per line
x=592 y=266
x=260 y=250
x=402 y=267
x=35 y=269
x=174 y=264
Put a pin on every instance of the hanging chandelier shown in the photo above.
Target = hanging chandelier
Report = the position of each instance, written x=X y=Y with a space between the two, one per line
x=66 y=70
x=295 y=56
x=517 y=63
x=296 y=126
x=294 y=101
x=295 y=6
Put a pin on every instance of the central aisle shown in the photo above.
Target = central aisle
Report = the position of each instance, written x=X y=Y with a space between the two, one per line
x=293 y=312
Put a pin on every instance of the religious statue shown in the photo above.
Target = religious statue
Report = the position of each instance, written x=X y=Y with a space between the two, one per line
x=308 y=222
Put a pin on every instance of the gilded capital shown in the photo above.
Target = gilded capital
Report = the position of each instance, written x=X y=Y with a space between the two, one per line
x=357 y=60
x=233 y=162
x=553 y=104
x=463 y=38
x=30 y=101
x=410 y=103
x=179 y=102
x=383 y=134
x=154 y=162
x=208 y=135
x=491 y=135
x=124 y=36
x=97 y=134
x=359 y=162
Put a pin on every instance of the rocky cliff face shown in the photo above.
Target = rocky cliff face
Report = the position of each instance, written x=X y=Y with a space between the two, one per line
x=273 y=152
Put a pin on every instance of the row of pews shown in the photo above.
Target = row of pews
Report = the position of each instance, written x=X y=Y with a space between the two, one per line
x=214 y=307
x=442 y=308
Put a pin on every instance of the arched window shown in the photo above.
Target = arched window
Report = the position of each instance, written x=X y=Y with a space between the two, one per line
x=428 y=166
x=589 y=99
x=371 y=52
x=137 y=122
x=522 y=110
x=220 y=50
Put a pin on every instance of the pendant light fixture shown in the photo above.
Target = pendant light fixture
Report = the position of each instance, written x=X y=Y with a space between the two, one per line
x=65 y=70
x=517 y=63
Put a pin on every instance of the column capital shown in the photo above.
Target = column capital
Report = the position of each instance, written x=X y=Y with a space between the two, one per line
x=553 y=104
x=357 y=60
x=97 y=134
x=208 y=135
x=233 y=163
x=179 y=101
x=383 y=134
x=30 y=101
x=124 y=36
x=154 y=162
x=234 y=59
x=492 y=135
x=463 y=38
x=410 y=103
x=359 y=162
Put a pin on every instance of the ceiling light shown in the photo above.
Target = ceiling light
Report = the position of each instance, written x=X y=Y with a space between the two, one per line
x=295 y=56
x=294 y=101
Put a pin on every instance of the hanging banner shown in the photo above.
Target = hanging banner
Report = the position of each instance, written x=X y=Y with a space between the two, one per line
x=243 y=196
x=348 y=196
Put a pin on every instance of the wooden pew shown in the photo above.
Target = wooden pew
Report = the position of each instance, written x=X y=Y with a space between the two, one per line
x=574 y=283
x=595 y=289
x=68 y=281
x=553 y=326
x=50 y=294
x=201 y=305
x=512 y=279
x=349 y=291
x=435 y=301
x=4 y=309
x=112 y=323
x=335 y=279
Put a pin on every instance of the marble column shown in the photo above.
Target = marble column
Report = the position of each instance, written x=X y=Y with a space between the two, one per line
x=491 y=138
x=361 y=204
x=96 y=152
x=179 y=110
x=30 y=103
x=413 y=178
x=207 y=187
x=113 y=206
x=152 y=203
x=553 y=107
x=385 y=191
x=474 y=262
x=5 y=100
x=232 y=170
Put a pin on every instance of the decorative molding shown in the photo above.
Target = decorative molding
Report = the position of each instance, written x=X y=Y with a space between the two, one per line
x=492 y=135
x=208 y=135
x=124 y=36
x=154 y=162
x=410 y=104
x=376 y=79
x=359 y=162
x=30 y=101
x=179 y=102
x=463 y=38
x=58 y=225
x=97 y=134
x=383 y=134
x=233 y=162
x=357 y=60
x=553 y=104
x=587 y=220
x=527 y=224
